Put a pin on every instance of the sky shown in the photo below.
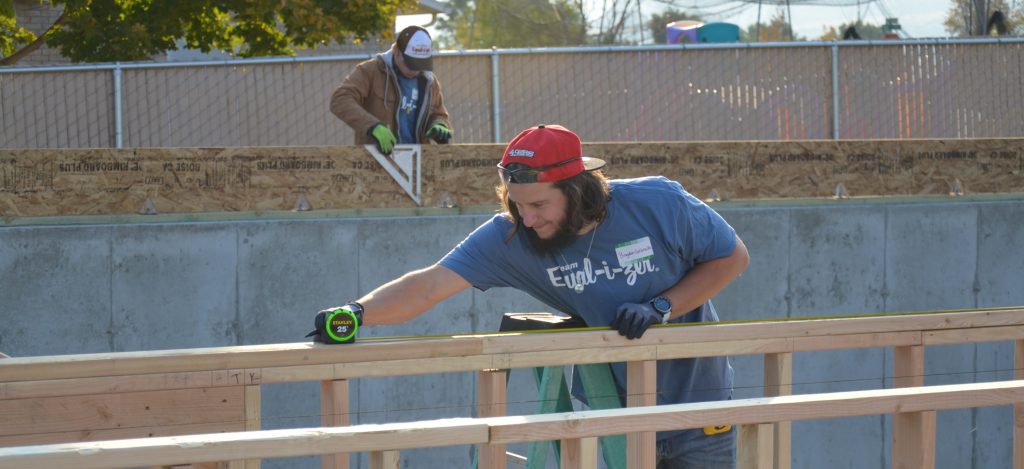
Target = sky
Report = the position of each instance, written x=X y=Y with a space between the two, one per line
x=919 y=18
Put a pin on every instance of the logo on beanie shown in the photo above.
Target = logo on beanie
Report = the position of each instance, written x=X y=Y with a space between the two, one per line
x=521 y=152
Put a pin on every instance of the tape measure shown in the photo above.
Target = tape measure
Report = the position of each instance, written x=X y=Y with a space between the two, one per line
x=342 y=325
x=337 y=325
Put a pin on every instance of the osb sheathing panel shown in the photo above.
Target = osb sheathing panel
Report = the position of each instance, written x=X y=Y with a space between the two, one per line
x=183 y=180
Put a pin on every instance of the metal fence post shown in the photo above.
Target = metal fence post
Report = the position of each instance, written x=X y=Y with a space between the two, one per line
x=118 y=130
x=496 y=95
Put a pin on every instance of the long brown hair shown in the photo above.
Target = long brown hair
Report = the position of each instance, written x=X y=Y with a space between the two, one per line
x=586 y=195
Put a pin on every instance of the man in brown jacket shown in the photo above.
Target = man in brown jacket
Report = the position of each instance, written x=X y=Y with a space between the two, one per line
x=395 y=97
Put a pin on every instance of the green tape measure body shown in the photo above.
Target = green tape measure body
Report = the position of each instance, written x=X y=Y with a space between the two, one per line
x=341 y=325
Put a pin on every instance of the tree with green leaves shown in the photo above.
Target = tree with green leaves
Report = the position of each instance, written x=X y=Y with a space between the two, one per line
x=482 y=24
x=126 y=30
x=12 y=36
x=658 y=22
x=972 y=17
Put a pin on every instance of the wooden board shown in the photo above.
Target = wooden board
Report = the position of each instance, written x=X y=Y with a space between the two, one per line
x=254 y=444
x=48 y=182
x=508 y=430
x=121 y=415
x=118 y=433
x=120 y=384
x=589 y=423
x=389 y=357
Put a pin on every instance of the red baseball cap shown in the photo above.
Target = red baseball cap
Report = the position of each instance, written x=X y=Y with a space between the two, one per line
x=555 y=148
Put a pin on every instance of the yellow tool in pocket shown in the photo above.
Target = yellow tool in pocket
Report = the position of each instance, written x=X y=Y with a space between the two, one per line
x=714 y=430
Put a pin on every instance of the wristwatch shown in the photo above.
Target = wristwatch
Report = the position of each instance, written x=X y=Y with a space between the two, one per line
x=356 y=309
x=662 y=305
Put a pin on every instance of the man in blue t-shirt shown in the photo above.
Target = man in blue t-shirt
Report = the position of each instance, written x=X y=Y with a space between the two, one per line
x=626 y=253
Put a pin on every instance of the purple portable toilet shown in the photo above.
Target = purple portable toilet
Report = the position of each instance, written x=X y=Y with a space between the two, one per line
x=682 y=32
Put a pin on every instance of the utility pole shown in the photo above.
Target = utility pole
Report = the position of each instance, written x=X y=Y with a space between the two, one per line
x=640 y=21
x=789 y=21
x=978 y=18
x=757 y=26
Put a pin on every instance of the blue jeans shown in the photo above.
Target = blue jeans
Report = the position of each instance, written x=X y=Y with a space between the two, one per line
x=692 y=449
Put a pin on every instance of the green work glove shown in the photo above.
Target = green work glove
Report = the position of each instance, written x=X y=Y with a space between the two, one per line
x=440 y=133
x=385 y=139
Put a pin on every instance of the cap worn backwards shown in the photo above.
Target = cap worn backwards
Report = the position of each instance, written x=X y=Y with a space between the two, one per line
x=415 y=45
x=548 y=145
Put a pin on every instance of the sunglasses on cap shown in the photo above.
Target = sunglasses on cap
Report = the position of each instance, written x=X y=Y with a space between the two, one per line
x=522 y=174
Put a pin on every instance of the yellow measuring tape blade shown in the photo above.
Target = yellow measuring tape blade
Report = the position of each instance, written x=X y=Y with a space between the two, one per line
x=683 y=324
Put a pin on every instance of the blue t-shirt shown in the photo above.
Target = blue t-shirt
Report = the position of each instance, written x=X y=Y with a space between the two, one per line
x=408 y=108
x=654 y=233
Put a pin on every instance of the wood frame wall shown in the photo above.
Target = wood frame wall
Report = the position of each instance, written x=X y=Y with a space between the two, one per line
x=762 y=444
x=576 y=430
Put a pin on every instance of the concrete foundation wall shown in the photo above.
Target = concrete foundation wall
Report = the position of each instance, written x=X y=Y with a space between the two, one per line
x=168 y=283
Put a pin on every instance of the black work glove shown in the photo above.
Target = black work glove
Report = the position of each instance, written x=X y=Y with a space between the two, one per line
x=633 y=319
x=338 y=324
x=440 y=133
x=384 y=138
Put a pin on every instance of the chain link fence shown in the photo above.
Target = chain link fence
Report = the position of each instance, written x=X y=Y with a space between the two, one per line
x=956 y=90
x=968 y=88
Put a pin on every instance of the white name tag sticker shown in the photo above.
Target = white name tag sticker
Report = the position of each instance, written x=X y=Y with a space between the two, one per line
x=633 y=252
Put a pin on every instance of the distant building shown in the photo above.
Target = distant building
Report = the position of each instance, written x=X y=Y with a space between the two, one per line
x=37 y=17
